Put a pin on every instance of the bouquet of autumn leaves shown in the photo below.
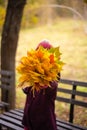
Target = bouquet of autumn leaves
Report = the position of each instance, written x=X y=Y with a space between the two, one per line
x=40 y=67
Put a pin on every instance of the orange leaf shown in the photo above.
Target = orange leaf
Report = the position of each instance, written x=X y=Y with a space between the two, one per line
x=51 y=58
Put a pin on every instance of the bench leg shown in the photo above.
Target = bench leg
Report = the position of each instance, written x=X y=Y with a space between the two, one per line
x=0 y=127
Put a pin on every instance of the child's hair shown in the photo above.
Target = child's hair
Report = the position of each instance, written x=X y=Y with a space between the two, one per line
x=45 y=43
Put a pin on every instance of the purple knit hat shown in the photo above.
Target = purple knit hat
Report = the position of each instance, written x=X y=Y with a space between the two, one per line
x=46 y=44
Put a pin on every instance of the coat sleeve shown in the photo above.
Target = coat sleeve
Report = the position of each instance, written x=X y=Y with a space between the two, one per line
x=52 y=91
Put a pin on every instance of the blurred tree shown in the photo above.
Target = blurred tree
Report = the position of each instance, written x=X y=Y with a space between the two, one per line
x=2 y=16
x=9 y=41
x=3 y=3
x=85 y=1
x=31 y=15
x=85 y=14
x=62 y=11
x=48 y=13
x=35 y=15
x=85 y=9
x=75 y=4
x=78 y=5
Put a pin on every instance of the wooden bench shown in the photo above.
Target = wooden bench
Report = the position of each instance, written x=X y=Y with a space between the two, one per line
x=12 y=119
x=5 y=82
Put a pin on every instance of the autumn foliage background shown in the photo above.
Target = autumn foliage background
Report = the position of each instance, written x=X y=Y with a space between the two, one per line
x=63 y=29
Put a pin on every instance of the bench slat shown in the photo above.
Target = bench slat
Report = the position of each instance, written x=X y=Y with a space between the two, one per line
x=68 y=127
x=17 y=113
x=13 y=116
x=70 y=82
x=72 y=101
x=3 y=105
x=19 y=110
x=71 y=124
x=6 y=72
x=9 y=125
x=59 y=128
x=11 y=120
x=84 y=94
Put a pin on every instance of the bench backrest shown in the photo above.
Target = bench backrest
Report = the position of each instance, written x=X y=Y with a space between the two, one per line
x=73 y=89
x=6 y=80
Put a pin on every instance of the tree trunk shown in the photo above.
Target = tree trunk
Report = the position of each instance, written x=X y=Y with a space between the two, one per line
x=9 y=41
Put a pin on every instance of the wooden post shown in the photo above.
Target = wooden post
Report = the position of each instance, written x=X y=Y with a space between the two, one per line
x=71 y=114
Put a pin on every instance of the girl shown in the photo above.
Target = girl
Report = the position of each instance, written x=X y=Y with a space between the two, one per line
x=39 y=111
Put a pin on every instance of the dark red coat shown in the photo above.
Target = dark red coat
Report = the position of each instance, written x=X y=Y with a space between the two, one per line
x=39 y=111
